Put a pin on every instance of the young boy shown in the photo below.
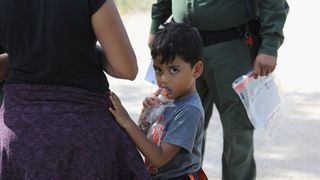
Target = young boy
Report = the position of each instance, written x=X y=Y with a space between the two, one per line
x=176 y=53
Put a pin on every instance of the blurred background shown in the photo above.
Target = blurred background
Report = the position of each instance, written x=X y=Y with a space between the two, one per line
x=292 y=153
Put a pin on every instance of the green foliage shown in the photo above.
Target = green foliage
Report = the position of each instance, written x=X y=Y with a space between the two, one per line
x=133 y=6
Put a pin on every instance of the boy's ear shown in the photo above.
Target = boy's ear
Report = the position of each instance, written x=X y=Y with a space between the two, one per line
x=198 y=68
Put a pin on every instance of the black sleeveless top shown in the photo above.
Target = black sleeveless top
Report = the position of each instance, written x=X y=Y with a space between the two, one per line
x=51 y=42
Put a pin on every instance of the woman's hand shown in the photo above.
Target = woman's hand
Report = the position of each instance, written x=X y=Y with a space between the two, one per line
x=119 y=112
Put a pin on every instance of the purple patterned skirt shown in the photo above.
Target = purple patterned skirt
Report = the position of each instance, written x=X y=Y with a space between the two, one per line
x=63 y=133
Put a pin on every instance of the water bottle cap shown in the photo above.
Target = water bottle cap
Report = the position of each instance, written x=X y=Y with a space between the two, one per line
x=163 y=96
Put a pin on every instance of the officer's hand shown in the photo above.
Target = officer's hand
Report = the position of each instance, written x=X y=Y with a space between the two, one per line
x=151 y=40
x=264 y=65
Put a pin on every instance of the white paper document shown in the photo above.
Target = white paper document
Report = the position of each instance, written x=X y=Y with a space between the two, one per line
x=261 y=98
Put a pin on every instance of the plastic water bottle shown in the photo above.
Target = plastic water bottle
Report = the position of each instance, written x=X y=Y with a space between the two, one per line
x=150 y=116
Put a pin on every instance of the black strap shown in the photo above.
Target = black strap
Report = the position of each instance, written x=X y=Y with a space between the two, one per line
x=215 y=37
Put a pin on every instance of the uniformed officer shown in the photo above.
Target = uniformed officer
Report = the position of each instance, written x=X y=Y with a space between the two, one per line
x=226 y=31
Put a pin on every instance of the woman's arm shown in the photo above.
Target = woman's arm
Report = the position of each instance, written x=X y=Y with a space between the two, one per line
x=105 y=63
x=4 y=66
x=111 y=33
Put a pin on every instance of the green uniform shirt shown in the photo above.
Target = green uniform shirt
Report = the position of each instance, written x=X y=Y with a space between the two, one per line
x=214 y=15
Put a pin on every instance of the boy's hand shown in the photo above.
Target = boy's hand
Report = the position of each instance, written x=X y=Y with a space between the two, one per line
x=119 y=112
x=151 y=101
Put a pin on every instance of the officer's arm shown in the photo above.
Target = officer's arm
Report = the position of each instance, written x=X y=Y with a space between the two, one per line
x=160 y=13
x=273 y=14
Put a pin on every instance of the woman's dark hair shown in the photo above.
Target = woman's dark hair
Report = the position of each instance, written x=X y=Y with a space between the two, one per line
x=180 y=40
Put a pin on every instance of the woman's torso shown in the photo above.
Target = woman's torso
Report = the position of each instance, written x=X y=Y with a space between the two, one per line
x=51 y=43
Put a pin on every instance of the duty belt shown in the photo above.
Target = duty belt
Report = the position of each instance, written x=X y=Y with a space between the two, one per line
x=215 y=37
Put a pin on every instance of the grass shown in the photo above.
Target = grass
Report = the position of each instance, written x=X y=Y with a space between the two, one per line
x=133 y=6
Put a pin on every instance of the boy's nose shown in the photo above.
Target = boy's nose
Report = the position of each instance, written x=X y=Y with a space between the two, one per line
x=163 y=78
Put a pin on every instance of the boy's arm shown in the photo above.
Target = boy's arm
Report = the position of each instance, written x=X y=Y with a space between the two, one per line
x=4 y=66
x=157 y=155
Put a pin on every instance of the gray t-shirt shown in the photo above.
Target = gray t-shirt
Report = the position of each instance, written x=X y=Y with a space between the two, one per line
x=181 y=125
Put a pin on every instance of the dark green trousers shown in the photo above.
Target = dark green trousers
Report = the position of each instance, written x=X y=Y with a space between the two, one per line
x=223 y=63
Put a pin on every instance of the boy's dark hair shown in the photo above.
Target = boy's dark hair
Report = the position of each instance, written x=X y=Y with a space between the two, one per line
x=177 y=40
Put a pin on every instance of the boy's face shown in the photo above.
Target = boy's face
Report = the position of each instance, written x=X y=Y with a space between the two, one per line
x=177 y=77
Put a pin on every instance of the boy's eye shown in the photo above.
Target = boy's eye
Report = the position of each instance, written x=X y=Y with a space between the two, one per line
x=174 y=70
x=156 y=69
